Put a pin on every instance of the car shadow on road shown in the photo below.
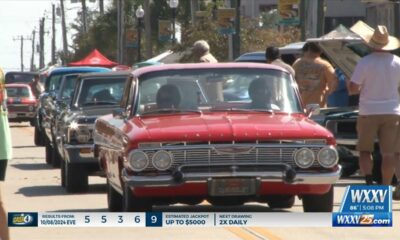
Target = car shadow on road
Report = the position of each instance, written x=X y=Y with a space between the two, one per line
x=19 y=126
x=27 y=146
x=31 y=166
x=41 y=191
x=210 y=208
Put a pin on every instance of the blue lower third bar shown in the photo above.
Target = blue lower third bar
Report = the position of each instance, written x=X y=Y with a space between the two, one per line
x=362 y=219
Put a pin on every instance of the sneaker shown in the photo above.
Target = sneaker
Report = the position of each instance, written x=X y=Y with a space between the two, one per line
x=396 y=193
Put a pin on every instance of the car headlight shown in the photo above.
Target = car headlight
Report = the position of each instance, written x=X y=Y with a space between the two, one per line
x=304 y=157
x=328 y=157
x=138 y=160
x=83 y=134
x=162 y=160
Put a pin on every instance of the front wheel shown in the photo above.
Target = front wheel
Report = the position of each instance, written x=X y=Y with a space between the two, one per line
x=132 y=203
x=38 y=137
x=318 y=202
x=114 y=199
x=280 y=201
x=76 y=178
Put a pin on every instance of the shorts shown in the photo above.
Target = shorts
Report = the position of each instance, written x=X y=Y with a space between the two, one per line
x=381 y=127
x=3 y=168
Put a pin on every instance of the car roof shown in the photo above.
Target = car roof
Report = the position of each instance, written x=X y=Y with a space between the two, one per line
x=63 y=70
x=17 y=85
x=185 y=66
x=259 y=56
x=27 y=73
x=106 y=74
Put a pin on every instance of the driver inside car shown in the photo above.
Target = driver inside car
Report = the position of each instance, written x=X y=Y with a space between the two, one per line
x=168 y=96
x=260 y=95
x=103 y=96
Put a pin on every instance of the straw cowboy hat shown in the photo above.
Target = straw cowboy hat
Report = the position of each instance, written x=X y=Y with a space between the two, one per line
x=377 y=38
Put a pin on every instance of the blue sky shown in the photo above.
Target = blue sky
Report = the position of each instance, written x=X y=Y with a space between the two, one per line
x=20 y=18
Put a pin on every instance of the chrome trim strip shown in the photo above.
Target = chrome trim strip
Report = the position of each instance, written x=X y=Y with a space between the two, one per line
x=272 y=176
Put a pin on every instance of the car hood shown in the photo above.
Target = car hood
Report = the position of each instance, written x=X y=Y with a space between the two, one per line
x=89 y=115
x=343 y=48
x=226 y=127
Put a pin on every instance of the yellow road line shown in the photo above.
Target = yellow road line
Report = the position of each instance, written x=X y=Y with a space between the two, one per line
x=242 y=233
x=264 y=232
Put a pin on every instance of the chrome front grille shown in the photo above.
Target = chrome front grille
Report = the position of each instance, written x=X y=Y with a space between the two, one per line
x=208 y=155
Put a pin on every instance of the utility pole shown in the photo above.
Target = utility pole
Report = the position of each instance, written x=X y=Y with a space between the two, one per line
x=120 y=31
x=147 y=29
x=194 y=7
x=236 y=36
x=53 y=37
x=33 y=52
x=64 y=30
x=22 y=39
x=320 y=17
x=101 y=6
x=41 y=43
x=84 y=18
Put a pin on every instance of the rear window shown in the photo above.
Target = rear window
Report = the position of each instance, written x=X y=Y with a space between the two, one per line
x=13 y=77
x=17 y=92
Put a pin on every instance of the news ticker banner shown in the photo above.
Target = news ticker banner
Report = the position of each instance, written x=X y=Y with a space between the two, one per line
x=167 y=219
x=361 y=206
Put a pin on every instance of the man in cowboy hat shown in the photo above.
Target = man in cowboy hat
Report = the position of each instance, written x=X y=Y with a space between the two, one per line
x=376 y=78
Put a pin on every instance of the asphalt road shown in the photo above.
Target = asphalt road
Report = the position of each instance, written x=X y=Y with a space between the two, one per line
x=33 y=186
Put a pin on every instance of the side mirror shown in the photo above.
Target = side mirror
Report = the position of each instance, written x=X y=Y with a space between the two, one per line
x=313 y=109
x=119 y=113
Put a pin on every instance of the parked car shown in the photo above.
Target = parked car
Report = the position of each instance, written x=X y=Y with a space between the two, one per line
x=175 y=138
x=20 y=77
x=61 y=101
x=21 y=103
x=95 y=94
x=289 y=54
x=45 y=113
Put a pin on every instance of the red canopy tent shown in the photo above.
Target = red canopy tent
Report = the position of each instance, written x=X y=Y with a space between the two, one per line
x=94 y=59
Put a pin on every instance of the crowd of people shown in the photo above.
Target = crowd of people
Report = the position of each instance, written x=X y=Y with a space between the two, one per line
x=375 y=80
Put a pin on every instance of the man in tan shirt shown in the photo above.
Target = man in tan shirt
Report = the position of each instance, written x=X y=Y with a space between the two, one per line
x=315 y=76
x=201 y=52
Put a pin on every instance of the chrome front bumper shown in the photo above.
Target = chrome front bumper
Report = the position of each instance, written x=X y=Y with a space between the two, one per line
x=82 y=153
x=263 y=176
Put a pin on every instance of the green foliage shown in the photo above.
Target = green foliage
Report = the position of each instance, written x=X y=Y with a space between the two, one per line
x=102 y=33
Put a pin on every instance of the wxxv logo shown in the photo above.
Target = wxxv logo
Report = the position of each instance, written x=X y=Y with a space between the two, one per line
x=365 y=206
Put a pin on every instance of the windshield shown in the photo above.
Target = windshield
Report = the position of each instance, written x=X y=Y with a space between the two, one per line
x=68 y=85
x=18 y=92
x=217 y=90
x=100 y=91
x=54 y=83
x=12 y=77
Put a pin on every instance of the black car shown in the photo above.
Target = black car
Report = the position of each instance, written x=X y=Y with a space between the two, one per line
x=95 y=94
x=45 y=117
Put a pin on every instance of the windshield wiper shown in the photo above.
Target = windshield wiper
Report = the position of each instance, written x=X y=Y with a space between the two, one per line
x=171 y=110
x=99 y=103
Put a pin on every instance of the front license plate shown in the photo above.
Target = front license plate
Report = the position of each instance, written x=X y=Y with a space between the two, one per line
x=232 y=186
x=85 y=150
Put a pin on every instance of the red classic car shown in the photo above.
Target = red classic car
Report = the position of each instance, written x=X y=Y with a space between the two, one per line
x=21 y=103
x=227 y=133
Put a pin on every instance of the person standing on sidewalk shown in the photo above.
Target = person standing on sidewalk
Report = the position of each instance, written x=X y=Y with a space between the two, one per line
x=5 y=153
x=201 y=52
x=273 y=56
x=315 y=76
x=376 y=78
